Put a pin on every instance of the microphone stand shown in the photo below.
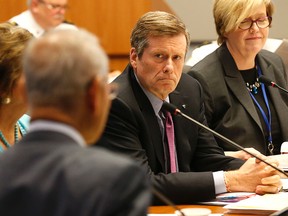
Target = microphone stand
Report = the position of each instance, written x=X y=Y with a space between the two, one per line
x=167 y=201
x=265 y=80
x=174 y=110
x=273 y=84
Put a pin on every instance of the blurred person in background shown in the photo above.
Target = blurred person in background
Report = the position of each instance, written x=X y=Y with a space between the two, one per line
x=43 y=15
x=13 y=120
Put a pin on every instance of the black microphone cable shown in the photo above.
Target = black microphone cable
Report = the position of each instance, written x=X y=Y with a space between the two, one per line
x=167 y=201
x=175 y=111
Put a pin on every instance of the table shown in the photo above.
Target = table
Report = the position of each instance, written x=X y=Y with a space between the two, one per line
x=169 y=209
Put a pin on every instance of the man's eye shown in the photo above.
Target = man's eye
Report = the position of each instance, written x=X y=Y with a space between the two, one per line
x=159 y=55
x=177 y=57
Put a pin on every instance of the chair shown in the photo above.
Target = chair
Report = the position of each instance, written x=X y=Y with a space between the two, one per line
x=282 y=51
x=278 y=46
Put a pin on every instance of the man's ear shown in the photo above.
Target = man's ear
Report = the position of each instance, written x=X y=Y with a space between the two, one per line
x=35 y=2
x=34 y=5
x=133 y=57
x=94 y=94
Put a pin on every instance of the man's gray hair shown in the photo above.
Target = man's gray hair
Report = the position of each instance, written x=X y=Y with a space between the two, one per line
x=60 y=65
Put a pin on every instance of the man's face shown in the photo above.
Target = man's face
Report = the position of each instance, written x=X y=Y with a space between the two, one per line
x=160 y=67
x=49 y=13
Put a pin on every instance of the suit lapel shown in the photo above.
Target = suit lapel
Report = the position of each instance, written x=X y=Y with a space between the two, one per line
x=182 y=127
x=279 y=105
x=236 y=84
x=150 y=118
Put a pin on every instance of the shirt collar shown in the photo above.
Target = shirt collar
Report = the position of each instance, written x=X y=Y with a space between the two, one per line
x=54 y=126
x=31 y=23
x=155 y=101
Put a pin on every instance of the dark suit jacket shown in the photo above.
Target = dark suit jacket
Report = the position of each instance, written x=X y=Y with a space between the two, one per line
x=47 y=173
x=229 y=108
x=133 y=130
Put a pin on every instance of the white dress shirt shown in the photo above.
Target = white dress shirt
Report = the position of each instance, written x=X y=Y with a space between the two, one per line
x=27 y=21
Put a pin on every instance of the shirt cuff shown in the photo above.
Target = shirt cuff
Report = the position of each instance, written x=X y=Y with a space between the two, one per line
x=219 y=182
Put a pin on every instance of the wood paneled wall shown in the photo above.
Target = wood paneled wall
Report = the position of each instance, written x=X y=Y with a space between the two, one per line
x=110 y=20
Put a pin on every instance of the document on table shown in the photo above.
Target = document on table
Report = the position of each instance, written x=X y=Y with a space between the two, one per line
x=283 y=161
x=266 y=204
x=227 y=198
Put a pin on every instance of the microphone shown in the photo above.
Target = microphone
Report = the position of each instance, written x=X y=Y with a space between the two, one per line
x=175 y=111
x=265 y=80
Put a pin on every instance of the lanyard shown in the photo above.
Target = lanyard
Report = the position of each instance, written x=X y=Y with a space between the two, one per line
x=267 y=119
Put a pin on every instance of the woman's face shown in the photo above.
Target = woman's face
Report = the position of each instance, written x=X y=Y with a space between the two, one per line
x=250 y=41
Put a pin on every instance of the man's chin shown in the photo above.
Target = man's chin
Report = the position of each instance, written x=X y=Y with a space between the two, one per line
x=58 y=20
x=55 y=24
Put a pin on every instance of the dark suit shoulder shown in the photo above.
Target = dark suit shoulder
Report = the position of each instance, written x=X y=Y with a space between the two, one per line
x=211 y=58
x=270 y=61
x=206 y=65
x=188 y=86
x=186 y=81
x=99 y=156
x=270 y=57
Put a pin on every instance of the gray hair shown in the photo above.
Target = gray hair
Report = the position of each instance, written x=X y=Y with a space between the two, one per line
x=156 y=23
x=60 y=65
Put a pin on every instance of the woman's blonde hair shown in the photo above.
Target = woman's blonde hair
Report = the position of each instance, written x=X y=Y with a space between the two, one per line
x=228 y=14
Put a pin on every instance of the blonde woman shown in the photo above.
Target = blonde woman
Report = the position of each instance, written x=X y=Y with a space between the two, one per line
x=237 y=105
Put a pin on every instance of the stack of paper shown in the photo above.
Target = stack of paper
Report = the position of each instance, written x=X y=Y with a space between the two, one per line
x=266 y=204
x=283 y=161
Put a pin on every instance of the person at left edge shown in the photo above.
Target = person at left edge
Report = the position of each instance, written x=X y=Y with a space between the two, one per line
x=43 y=15
x=13 y=120
x=52 y=171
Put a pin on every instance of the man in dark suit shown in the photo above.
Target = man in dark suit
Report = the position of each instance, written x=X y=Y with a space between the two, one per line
x=192 y=169
x=51 y=171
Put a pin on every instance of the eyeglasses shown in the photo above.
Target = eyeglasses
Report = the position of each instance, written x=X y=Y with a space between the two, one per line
x=55 y=7
x=262 y=23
